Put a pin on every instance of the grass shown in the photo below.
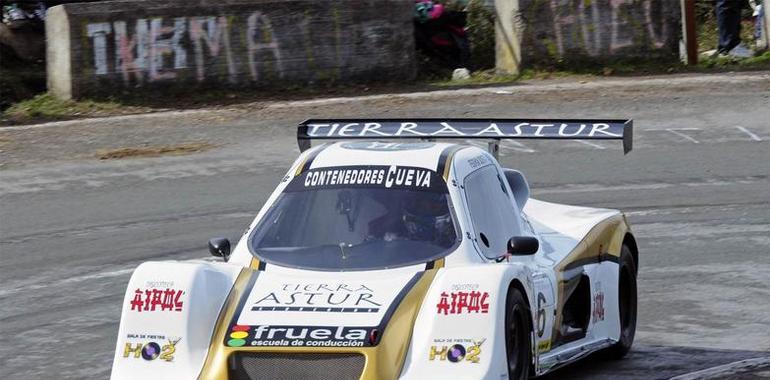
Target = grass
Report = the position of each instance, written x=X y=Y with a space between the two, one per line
x=491 y=77
x=759 y=62
x=478 y=78
x=45 y=106
x=705 y=65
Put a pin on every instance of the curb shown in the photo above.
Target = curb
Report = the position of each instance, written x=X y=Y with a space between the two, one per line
x=737 y=78
x=149 y=115
x=518 y=89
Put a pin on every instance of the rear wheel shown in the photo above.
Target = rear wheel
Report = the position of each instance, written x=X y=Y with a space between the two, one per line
x=518 y=333
x=626 y=304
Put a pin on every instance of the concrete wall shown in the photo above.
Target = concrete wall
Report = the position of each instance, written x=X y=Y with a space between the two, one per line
x=553 y=32
x=149 y=46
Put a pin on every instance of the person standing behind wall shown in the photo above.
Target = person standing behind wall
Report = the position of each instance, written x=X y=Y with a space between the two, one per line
x=729 y=23
x=761 y=40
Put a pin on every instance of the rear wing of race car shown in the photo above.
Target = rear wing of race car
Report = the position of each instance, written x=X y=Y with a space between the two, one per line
x=492 y=130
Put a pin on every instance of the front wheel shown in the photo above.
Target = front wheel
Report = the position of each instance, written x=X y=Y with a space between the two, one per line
x=626 y=304
x=518 y=335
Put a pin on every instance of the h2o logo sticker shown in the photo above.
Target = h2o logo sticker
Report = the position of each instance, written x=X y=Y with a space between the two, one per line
x=151 y=350
x=457 y=352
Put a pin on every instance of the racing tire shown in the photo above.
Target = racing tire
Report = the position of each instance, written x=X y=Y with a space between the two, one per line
x=518 y=335
x=626 y=304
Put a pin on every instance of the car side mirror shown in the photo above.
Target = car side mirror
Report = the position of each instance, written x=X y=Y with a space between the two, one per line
x=220 y=247
x=523 y=245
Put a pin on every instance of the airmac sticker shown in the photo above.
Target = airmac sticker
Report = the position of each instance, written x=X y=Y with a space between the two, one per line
x=463 y=299
x=157 y=296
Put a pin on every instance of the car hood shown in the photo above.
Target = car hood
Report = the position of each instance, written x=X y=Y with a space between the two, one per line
x=317 y=309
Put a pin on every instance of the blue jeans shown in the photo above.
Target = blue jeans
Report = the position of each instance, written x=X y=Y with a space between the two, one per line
x=758 y=24
x=729 y=23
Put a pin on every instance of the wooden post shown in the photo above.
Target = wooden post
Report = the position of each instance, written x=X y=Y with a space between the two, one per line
x=507 y=38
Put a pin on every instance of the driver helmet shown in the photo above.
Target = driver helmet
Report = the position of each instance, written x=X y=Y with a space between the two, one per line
x=426 y=217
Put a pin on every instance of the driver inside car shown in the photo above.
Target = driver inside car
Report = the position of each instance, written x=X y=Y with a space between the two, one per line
x=419 y=216
x=427 y=218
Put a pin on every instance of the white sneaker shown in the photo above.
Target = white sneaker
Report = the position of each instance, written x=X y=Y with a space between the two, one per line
x=461 y=74
x=741 y=51
x=761 y=44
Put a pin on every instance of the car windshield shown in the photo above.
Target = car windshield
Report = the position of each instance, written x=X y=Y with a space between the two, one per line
x=358 y=219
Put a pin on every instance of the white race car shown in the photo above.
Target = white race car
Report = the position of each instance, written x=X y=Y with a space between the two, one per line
x=395 y=259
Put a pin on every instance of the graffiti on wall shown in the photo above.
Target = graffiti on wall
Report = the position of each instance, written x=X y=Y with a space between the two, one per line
x=595 y=28
x=155 y=49
x=253 y=46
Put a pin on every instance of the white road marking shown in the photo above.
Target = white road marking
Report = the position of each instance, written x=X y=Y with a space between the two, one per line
x=484 y=147
x=517 y=146
x=682 y=135
x=476 y=144
x=746 y=131
x=95 y=276
x=668 y=129
x=580 y=188
x=595 y=187
x=677 y=132
x=76 y=279
x=595 y=145
x=726 y=370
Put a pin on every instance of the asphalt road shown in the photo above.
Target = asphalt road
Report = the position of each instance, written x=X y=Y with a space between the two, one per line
x=696 y=189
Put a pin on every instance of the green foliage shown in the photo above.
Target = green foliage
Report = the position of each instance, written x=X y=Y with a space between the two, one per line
x=478 y=78
x=759 y=62
x=47 y=106
x=706 y=24
x=481 y=32
x=20 y=81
